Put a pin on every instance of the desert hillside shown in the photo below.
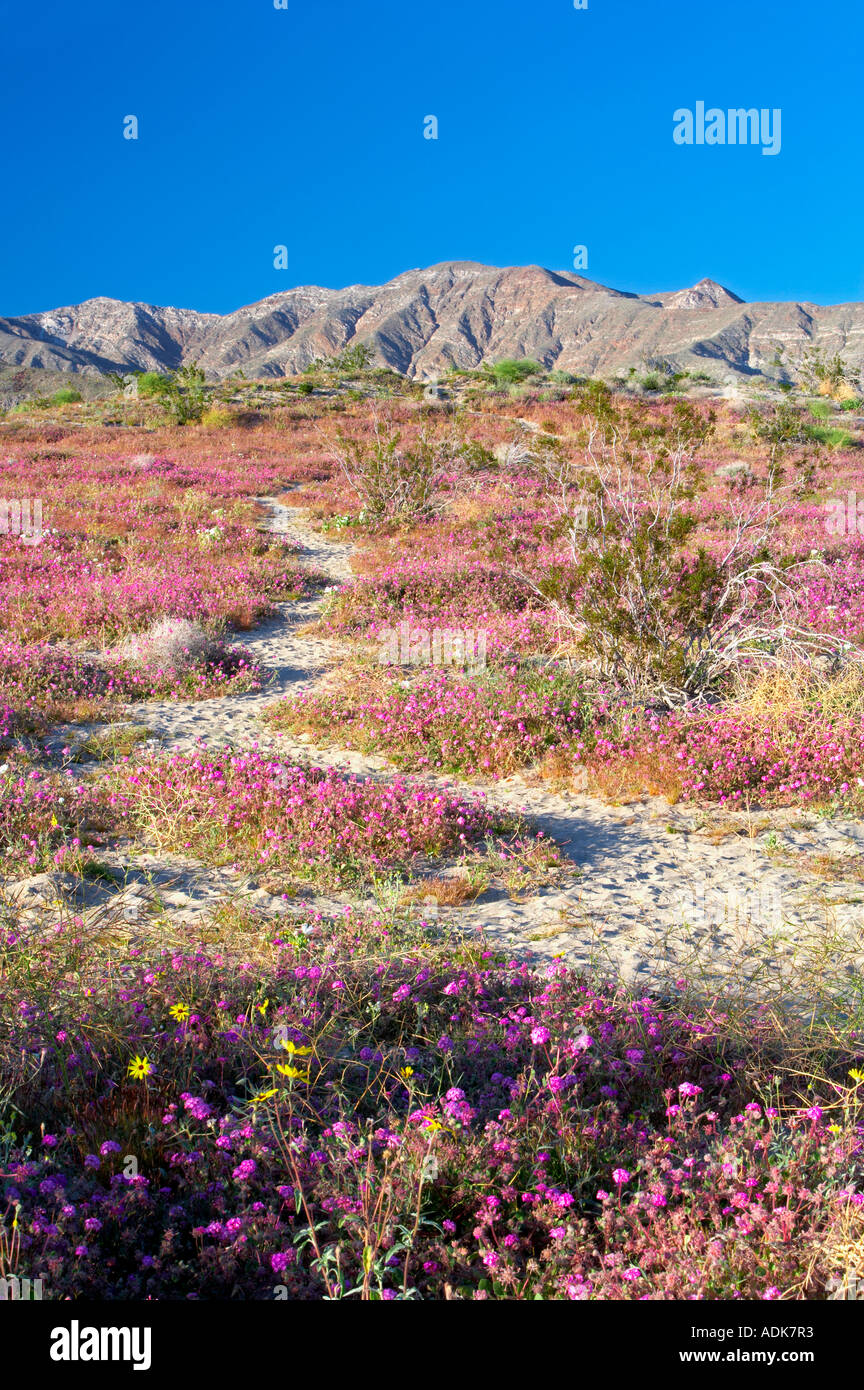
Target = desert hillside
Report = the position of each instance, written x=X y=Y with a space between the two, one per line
x=457 y=314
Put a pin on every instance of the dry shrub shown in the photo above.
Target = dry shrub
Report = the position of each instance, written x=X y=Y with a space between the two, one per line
x=174 y=643
x=447 y=891
x=844 y=1250
x=644 y=774
x=775 y=696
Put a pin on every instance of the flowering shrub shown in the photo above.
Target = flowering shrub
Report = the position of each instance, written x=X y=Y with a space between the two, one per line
x=497 y=725
x=8 y=723
x=303 y=823
x=125 y=547
x=728 y=755
x=54 y=682
x=39 y=819
x=478 y=727
x=426 y=1124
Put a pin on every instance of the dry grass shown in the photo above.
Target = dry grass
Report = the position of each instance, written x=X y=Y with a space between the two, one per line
x=776 y=695
x=446 y=890
x=835 y=868
x=845 y=1251
x=715 y=833
x=557 y=767
x=643 y=775
x=117 y=741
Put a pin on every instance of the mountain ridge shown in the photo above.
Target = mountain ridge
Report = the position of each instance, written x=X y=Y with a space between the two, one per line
x=453 y=314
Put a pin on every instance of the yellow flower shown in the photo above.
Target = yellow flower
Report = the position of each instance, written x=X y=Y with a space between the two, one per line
x=262 y=1008
x=140 y=1067
x=262 y=1096
x=293 y=1072
x=180 y=1012
x=406 y=1072
x=294 y=1048
x=54 y=821
x=433 y=1126
x=857 y=1075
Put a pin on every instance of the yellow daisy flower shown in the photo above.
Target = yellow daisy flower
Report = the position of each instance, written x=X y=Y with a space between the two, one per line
x=140 y=1068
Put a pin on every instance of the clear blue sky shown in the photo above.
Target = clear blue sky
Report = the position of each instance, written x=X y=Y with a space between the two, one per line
x=304 y=127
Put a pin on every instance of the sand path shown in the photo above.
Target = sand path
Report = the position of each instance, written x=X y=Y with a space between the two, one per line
x=652 y=888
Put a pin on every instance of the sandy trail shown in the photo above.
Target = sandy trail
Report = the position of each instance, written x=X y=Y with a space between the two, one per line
x=295 y=661
x=651 y=889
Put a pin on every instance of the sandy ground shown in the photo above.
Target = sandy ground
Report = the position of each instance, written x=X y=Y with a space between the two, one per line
x=651 y=890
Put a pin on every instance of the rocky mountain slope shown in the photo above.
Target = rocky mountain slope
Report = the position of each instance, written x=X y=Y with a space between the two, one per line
x=456 y=314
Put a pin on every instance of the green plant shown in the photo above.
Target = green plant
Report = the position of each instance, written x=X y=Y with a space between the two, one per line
x=353 y=359
x=394 y=484
x=829 y=376
x=834 y=438
x=218 y=417
x=780 y=427
x=152 y=384
x=66 y=396
x=184 y=397
x=511 y=371
x=652 y=610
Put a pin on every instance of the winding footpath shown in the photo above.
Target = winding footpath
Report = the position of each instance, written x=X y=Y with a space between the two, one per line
x=652 y=891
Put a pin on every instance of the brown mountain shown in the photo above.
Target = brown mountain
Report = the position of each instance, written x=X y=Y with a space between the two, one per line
x=459 y=313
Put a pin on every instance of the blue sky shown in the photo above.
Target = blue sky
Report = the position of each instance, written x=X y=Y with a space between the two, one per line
x=303 y=127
